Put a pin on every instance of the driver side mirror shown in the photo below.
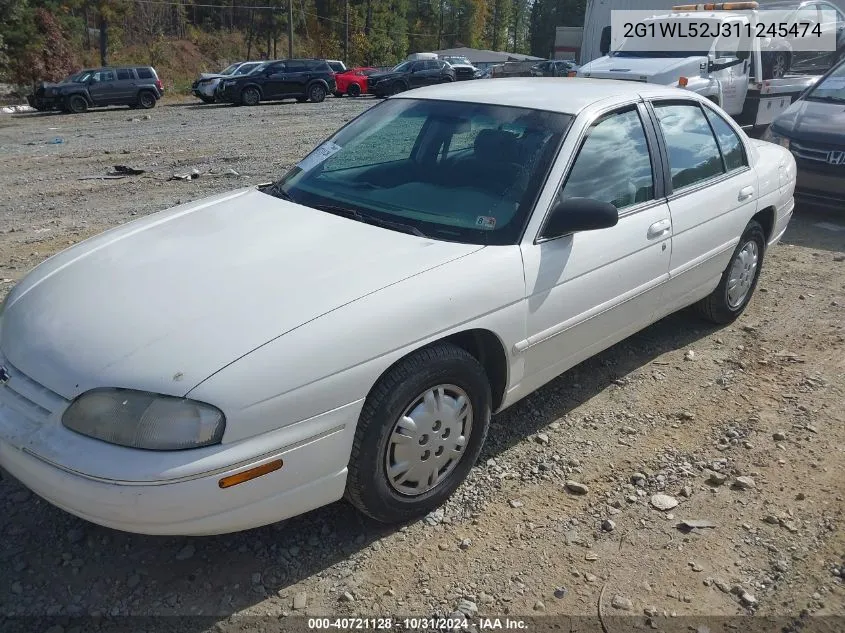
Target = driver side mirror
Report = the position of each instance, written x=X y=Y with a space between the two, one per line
x=579 y=214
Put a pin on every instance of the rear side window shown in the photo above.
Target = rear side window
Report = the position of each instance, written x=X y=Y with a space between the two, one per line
x=124 y=74
x=732 y=150
x=614 y=164
x=144 y=73
x=297 y=67
x=694 y=155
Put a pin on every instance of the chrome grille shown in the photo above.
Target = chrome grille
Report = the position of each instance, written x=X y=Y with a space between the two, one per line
x=819 y=153
x=28 y=397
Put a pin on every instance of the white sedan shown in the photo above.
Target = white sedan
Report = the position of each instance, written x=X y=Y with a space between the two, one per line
x=350 y=329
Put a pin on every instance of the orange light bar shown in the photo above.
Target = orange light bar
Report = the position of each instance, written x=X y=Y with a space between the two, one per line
x=682 y=82
x=719 y=6
x=252 y=473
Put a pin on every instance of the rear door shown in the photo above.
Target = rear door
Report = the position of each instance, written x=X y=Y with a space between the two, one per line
x=711 y=193
x=297 y=77
x=125 y=88
x=102 y=87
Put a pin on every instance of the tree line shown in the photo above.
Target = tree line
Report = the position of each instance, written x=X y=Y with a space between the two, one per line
x=47 y=39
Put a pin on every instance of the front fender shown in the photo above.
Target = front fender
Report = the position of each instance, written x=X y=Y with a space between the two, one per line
x=337 y=358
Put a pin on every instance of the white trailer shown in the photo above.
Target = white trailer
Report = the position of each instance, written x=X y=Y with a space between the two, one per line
x=734 y=81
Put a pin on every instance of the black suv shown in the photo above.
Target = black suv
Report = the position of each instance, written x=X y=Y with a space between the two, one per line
x=410 y=74
x=300 y=79
x=135 y=86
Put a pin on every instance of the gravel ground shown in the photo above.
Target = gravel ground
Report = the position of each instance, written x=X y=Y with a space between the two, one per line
x=576 y=506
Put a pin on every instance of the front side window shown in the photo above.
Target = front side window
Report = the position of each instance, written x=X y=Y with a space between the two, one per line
x=456 y=171
x=244 y=69
x=732 y=149
x=693 y=153
x=613 y=164
x=103 y=75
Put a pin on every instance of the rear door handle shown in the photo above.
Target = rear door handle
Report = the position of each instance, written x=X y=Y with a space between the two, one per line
x=659 y=229
x=745 y=193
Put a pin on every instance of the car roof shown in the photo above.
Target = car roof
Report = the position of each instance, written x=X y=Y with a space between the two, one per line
x=567 y=95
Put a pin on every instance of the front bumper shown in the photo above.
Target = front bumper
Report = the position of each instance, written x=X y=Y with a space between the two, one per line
x=821 y=188
x=41 y=102
x=205 y=89
x=313 y=475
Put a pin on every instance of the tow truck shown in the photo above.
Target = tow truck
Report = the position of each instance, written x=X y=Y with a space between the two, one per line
x=733 y=78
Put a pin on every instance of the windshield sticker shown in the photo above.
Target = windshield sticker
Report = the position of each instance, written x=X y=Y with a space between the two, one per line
x=320 y=154
x=485 y=222
x=833 y=83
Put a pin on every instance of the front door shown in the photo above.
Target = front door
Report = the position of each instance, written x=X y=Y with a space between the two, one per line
x=588 y=290
x=712 y=196
x=275 y=81
x=102 y=88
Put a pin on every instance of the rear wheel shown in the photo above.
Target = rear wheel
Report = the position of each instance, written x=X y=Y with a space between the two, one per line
x=775 y=65
x=146 y=99
x=250 y=96
x=354 y=90
x=732 y=295
x=420 y=431
x=317 y=93
x=76 y=104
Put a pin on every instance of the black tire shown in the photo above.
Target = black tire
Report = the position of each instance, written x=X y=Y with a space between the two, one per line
x=146 y=99
x=775 y=64
x=316 y=93
x=367 y=486
x=337 y=94
x=354 y=90
x=76 y=104
x=250 y=96
x=717 y=307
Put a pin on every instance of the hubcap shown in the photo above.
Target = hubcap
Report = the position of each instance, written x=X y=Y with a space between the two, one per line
x=428 y=440
x=743 y=271
x=780 y=66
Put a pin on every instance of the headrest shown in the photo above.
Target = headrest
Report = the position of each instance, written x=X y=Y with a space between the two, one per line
x=495 y=145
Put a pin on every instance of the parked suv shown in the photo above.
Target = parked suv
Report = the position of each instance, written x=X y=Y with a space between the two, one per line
x=410 y=74
x=205 y=87
x=135 y=86
x=300 y=79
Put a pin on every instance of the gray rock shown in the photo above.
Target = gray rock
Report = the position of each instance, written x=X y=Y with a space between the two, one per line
x=560 y=593
x=541 y=438
x=539 y=606
x=465 y=543
x=608 y=525
x=663 y=502
x=722 y=586
x=186 y=552
x=716 y=479
x=576 y=487
x=690 y=355
x=515 y=503
x=744 y=483
x=782 y=565
x=300 y=601
x=748 y=599
x=686 y=491
x=622 y=603
x=638 y=479
x=779 y=436
x=468 y=608
x=347 y=597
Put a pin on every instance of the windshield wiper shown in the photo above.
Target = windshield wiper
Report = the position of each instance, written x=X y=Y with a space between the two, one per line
x=827 y=98
x=276 y=191
x=353 y=214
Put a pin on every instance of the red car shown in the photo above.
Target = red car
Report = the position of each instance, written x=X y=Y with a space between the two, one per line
x=353 y=82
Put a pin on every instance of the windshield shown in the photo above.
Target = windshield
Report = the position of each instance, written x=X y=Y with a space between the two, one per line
x=229 y=69
x=75 y=76
x=667 y=37
x=457 y=60
x=403 y=67
x=245 y=69
x=455 y=171
x=831 y=88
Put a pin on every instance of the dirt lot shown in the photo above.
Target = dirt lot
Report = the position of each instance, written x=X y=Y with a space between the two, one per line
x=678 y=409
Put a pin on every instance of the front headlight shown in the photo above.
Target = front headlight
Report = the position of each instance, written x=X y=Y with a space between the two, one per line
x=139 y=419
x=773 y=137
x=228 y=83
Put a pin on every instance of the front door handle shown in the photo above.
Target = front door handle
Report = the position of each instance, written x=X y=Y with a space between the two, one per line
x=745 y=193
x=659 y=229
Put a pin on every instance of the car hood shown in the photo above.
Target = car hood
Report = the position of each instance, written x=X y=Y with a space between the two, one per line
x=162 y=303
x=814 y=122
x=660 y=70
x=378 y=76
x=215 y=76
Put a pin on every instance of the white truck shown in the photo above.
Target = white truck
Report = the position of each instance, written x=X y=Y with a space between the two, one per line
x=730 y=73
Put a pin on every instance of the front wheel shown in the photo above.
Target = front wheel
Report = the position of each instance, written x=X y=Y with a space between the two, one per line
x=316 y=93
x=732 y=295
x=76 y=104
x=421 y=429
x=250 y=97
x=207 y=99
